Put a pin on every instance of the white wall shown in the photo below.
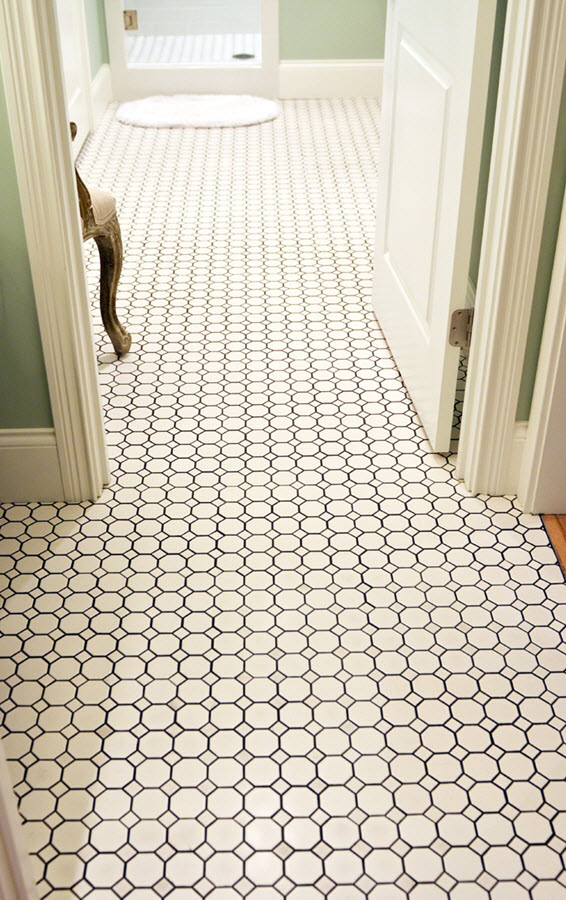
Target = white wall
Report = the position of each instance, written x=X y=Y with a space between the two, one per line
x=157 y=17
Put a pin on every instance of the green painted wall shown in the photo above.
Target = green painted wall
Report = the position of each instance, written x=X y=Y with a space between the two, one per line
x=546 y=261
x=24 y=397
x=332 y=29
x=97 y=41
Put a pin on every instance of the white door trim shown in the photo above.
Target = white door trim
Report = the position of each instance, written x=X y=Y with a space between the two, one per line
x=86 y=75
x=541 y=484
x=80 y=40
x=101 y=90
x=18 y=882
x=33 y=82
x=532 y=72
x=140 y=81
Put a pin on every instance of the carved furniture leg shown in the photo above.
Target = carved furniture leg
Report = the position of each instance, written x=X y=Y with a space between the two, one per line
x=109 y=241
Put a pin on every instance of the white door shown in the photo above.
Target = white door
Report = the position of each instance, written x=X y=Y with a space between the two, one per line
x=437 y=61
x=76 y=70
x=197 y=46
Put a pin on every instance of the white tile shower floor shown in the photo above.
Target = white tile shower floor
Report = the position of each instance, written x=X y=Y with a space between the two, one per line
x=192 y=50
x=285 y=655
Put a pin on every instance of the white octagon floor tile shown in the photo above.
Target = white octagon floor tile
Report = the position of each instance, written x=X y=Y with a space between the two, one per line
x=286 y=655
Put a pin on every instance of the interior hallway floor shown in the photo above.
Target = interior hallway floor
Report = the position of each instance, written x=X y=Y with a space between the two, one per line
x=286 y=655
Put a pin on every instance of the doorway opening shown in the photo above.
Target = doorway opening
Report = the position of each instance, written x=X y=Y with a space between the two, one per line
x=194 y=34
x=193 y=47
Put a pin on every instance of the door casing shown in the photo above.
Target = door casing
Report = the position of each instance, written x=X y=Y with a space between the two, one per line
x=530 y=88
x=35 y=97
x=542 y=483
x=74 y=43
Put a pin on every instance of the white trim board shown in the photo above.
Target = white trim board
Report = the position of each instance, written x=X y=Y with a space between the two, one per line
x=510 y=484
x=74 y=48
x=542 y=486
x=29 y=466
x=31 y=66
x=530 y=87
x=101 y=92
x=512 y=480
x=309 y=79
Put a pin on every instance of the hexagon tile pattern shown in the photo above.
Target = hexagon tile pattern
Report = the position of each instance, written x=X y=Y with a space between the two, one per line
x=286 y=655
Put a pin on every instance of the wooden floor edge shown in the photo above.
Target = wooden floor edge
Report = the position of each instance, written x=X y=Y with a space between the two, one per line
x=556 y=530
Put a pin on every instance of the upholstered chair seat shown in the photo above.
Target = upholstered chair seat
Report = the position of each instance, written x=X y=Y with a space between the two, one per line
x=103 y=205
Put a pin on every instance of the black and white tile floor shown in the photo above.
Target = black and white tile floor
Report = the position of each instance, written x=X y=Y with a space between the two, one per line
x=286 y=655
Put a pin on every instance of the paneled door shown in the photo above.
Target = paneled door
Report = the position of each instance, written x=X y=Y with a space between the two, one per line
x=437 y=63
x=193 y=46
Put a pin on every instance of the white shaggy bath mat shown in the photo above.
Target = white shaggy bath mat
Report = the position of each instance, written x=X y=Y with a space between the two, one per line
x=198 y=111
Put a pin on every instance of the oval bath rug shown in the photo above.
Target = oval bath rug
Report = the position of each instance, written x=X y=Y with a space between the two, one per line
x=198 y=111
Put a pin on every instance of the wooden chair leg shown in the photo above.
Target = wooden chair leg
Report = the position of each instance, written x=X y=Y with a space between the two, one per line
x=109 y=243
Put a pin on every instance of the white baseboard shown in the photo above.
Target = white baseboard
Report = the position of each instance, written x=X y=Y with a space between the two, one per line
x=101 y=92
x=318 y=78
x=511 y=485
x=29 y=466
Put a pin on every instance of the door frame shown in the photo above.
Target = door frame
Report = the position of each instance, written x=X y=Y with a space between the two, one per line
x=530 y=87
x=80 y=38
x=530 y=84
x=33 y=82
x=542 y=483
x=207 y=79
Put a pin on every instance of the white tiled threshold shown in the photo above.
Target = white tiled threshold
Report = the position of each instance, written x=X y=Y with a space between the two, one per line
x=286 y=655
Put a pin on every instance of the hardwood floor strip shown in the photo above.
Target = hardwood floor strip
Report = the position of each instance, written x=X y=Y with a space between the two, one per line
x=556 y=529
